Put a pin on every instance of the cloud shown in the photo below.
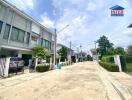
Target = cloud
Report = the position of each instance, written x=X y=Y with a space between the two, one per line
x=89 y=19
x=23 y=4
x=46 y=21
x=79 y=19
x=91 y=7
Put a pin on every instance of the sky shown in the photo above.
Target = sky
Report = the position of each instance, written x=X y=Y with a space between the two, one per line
x=87 y=19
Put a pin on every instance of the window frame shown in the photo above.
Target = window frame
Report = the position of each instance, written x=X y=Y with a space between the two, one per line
x=18 y=32
x=8 y=32
x=27 y=41
x=46 y=44
x=1 y=25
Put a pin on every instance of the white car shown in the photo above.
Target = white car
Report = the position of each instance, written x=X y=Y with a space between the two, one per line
x=16 y=65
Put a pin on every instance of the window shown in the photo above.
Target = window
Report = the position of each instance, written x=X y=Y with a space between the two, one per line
x=46 y=44
x=7 y=31
x=17 y=35
x=43 y=44
x=14 y=34
x=1 y=23
x=28 y=38
x=34 y=38
x=21 y=36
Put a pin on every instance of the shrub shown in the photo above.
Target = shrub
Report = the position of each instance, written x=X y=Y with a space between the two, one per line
x=108 y=59
x=129 y=59
x=110 y=67
x=42 y=68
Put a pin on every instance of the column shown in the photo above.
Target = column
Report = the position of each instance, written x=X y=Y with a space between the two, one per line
x=6 y=69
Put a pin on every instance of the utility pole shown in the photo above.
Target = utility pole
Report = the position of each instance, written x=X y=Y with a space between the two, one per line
x=77 y=56
x=77 y=52
x=70 y=52
x=55 y=42
x=96 y=50
x=81 y=51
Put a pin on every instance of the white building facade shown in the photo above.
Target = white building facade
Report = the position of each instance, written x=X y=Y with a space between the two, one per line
x=19 y=33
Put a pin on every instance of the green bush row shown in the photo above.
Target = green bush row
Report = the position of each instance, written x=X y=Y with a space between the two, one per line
x=42 y=68
x=129 y=59
x=108 y=59
x=109 y=66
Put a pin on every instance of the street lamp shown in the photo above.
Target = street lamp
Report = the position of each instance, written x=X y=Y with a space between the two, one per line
x=55 y=40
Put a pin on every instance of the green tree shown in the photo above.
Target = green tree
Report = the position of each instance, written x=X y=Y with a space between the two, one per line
x=104 y=46
x=63 y=53
x=89 y=58
x=119 y=50
x=40 y=52
x=129 y=50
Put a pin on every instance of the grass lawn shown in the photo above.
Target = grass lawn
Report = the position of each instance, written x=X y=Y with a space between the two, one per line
x=129 y=67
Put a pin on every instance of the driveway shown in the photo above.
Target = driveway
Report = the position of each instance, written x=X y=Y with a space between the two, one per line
x=82 y=81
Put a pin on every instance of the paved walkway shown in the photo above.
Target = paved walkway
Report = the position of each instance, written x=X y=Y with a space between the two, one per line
x=82 y=81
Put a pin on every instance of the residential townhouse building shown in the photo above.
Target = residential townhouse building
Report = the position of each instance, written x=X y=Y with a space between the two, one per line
x=70 y=51
x=19 y=33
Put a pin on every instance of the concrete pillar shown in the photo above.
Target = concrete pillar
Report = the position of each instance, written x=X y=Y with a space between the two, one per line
x=118 y=62
x=6 y=70
x=59 y=60
x=50 y=62
x=65 y=62
x=36 y=62
x=12 y=20
x=4 y=24
x=30 y=34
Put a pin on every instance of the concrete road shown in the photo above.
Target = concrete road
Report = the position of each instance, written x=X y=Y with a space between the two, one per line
x=82 y=81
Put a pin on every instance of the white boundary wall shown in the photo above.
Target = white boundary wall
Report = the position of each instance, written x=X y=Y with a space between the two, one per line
x=118 y=62
x=4 y=66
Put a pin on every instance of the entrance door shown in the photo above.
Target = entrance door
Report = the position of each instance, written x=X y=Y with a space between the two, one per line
x=26 y=58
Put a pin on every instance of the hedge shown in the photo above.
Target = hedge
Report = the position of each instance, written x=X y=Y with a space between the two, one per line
x=110 y=67
x=42 y=68
x=129 y=59
x=108 y=59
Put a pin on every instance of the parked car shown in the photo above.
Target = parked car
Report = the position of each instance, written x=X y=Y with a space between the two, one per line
x=16 y=65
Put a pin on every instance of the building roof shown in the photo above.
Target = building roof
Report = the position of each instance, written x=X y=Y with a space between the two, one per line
x=117 y=7
x=24 y=14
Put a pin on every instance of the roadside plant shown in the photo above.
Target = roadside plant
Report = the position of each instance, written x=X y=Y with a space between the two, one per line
x=40 y=53
x=105 y=47
x=129 y=50
x=63 y=53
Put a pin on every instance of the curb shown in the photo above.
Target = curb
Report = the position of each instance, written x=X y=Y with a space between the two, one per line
x=122 y=91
